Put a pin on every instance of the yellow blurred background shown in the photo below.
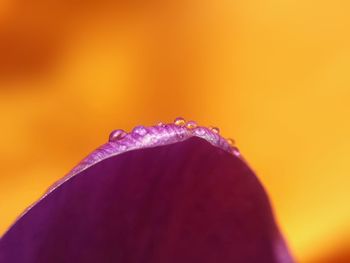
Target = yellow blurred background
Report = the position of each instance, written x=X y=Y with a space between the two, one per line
x=272 y=74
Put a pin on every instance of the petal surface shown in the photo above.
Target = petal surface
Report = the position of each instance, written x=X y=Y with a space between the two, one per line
x=188 y=201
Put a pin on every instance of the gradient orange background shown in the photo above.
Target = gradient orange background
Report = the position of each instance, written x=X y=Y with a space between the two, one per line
x=272 y=74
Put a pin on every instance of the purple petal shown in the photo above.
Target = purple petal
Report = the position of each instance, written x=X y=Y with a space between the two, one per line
x=176 y=199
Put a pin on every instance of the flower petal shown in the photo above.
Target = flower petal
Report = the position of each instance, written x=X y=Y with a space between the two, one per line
x=187 y=201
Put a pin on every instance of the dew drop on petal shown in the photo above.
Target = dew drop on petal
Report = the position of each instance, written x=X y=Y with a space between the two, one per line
x=236 y=151
x=230 y=141
x=191 y=125
x=214 y=129
x=200 y=131
x=140 y=130
x=179 y=121
x=117 y=135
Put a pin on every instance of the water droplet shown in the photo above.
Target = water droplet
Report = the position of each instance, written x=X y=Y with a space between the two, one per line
x=180 y=121
x=160 y=124
x=230 y=141
x=236 y=151
x=140 y=130
x=214 y=129
x=200 y=131
x=117 y=135
x=191 y=125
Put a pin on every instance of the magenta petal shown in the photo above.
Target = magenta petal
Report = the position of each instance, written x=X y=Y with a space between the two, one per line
x=184 y=202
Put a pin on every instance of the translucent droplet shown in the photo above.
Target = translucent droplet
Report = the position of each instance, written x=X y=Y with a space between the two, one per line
x=160 y=124
x=236 y=151
x=230 y=141
x=214 y=129
x=200 y=131
x=140 y=130
x=117 y=135
x=191 y=125
x=180 y=121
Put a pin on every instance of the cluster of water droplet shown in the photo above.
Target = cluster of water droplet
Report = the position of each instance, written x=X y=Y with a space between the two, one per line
x=180 y=129
x=142 y=137
x=157 y=135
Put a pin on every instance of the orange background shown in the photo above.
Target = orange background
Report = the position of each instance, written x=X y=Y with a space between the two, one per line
x=272 y=74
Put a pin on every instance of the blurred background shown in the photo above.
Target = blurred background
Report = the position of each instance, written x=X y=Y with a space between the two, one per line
x=273 y=75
